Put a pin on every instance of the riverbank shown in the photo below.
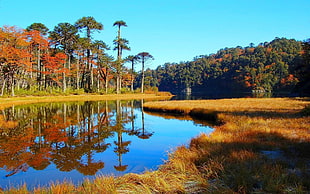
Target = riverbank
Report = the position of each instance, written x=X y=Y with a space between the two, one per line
x=259 y=145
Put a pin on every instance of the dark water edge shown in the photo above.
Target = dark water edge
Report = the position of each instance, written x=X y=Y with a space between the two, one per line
x=221 y=95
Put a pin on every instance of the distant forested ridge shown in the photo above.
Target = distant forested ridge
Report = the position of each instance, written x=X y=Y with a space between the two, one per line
x=281 y=65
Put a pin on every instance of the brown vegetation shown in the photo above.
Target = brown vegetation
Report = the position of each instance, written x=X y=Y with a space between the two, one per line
x=262 y=145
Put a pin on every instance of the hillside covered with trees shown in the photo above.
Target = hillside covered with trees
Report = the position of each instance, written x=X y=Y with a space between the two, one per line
x=281 y=65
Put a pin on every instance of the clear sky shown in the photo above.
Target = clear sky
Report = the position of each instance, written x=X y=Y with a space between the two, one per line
x=172 y=30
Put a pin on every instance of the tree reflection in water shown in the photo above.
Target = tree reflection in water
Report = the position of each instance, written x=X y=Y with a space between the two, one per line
x=65 y=134
x=142 y=133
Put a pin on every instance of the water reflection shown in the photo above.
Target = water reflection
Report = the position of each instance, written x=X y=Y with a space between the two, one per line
x=66 y=134
x=74 y=137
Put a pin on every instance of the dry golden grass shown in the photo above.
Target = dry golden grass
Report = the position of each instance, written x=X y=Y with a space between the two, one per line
x=7 y=102
x=233 y=158
x=232 y=105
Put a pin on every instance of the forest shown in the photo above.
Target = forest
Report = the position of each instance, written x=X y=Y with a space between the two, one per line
x=39 y=61
x=66 y=60
x=281 y=65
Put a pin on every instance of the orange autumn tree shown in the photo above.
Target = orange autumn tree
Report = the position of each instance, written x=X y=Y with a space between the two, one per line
x=38 y=46
x=55 y=69
x=14 y=57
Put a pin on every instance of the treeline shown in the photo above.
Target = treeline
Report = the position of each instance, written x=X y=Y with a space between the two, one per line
x=281 y=65
x=65 y=60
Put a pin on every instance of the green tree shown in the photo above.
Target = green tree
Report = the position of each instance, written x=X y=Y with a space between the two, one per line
x=38 y=27
x=144 y=56
x=133 y=59
x=303 y=69
x=41 y=30
x=98 y=48
x=89 y=24
x=120 y=45
x=65 y=36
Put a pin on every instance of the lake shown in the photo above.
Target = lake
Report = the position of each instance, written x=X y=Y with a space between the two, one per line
x=50 y=142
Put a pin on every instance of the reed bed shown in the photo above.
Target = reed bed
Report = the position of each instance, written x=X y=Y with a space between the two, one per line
x=258 y=146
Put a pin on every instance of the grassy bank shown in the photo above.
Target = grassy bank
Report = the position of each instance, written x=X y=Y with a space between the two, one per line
x=262 y=145
x=7 y=102
x=259 y=145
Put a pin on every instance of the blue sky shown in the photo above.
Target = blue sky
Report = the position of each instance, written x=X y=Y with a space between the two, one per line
x=172 y=30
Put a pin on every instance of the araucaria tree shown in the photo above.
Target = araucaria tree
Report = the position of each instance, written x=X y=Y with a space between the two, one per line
x=65 y=36
x=39 y=45
x=144 y=56
x=89 y=24
x=120 y=45
x=133 y=59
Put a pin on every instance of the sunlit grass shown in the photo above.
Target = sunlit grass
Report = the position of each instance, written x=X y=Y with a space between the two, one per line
x=8 y=102
x=233 y=158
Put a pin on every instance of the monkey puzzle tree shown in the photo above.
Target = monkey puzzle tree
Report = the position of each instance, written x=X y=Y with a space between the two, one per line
x=133 y=59
x=36 y=32
x=144 y=56
x=121 y=44
x=89 y=24
x=38 y=27
x=65 y=36
x=98 y=48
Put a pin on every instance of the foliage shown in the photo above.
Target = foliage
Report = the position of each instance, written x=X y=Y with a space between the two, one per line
x=269 y=67
x=68 y=59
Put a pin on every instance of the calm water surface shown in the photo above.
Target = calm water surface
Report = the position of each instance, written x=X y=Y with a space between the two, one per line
x=51 y=142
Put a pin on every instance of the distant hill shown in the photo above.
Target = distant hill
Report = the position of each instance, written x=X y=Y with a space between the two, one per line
x=281 y=65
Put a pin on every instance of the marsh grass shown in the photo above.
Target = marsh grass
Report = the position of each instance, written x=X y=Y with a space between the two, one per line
x=259 y=146
x=233 y=158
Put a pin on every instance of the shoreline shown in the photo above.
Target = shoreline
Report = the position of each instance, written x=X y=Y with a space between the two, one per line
x=259 y=145
x=7 y=102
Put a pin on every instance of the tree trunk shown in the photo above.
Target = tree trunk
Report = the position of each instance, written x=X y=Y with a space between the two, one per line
x=78 y=74
x=118 y=77
x=106 y=82
x=39 y=67
x=64 y=80
x=69 y=68
x=91 y=76
x=132 y=70
x=3 y=86
x=12 y=86
x=98 y=82
x=142 y=80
